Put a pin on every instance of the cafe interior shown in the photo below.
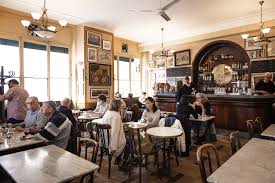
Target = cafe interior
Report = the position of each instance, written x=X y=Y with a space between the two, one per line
x=137 y=91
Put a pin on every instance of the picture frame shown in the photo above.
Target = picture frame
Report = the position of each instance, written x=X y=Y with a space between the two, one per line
x=99 y=74
x=124 y=47
x=182 y=58
x=249 y=44
x=94 y=39
x=95 y=92
x=252 y=54
x=104 y=56
x=160 y=64
x=271 y=47
x=170 y=61
x=92 y=54
x=261 y=54
x=106 y=45
x=151 y=65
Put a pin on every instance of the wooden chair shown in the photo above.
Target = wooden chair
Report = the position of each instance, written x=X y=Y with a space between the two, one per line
x=235 y=141
x=88 y=143
x=91 y=129
x=250 y=128
x=202 y=158
x=259 y=124
x=103 y=135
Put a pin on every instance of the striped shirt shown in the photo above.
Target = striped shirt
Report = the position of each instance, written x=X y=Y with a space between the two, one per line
x=57 y=130
x=16 y=107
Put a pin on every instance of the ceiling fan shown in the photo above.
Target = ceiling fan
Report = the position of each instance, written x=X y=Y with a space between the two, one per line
x=160 y=11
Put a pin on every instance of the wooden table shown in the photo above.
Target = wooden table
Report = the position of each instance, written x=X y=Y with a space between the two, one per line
x=269 y=131
x=48 y=164
x=15 y=144
x=253 y=163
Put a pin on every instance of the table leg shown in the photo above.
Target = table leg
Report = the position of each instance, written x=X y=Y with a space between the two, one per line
x=139 y=156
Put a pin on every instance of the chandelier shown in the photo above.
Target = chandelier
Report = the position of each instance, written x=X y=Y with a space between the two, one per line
x=40 y=26
x=261 y=39
x=163 y=53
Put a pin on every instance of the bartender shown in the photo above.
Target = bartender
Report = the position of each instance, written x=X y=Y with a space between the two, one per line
x=266 y=86
x=185 y=89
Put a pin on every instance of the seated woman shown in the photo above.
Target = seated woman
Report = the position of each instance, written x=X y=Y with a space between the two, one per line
x=202 y=106
x=117 y=137
x=151 y=114
x=184 y=110
x=101 y=106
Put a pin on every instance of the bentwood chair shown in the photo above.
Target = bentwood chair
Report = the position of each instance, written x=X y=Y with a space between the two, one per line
x=91 y=129
x=89 y=143
x=204 y=153
x=103 y=135
x=259 y=123
x=235 y=141
x=250 y=128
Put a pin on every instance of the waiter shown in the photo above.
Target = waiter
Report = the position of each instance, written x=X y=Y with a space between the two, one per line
x=185 y=89
x=266 y=86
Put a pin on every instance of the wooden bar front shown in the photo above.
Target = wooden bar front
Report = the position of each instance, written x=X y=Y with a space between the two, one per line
x=231 y=111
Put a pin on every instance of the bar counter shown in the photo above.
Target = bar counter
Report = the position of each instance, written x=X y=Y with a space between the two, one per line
x=231 y=111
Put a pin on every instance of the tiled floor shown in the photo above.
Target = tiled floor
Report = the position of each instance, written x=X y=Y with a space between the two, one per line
x=187 y=171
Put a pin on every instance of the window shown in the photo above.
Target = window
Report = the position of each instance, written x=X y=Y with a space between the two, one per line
x=127 y=76
x=35 y=70
x=59 y=72
x=9 y=53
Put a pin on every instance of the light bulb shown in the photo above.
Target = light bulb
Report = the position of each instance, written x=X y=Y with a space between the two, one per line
x=36 y=16
x=245 y=36
x=266 y=30
x=52 y=28
x=63 y=23
x=25 y=23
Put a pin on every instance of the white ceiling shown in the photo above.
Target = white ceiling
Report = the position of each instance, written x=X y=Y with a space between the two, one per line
x=189 y=17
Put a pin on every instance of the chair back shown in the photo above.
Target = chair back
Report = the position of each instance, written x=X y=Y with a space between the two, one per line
x=127 y=116
x=91 y=129
x=103 y=135
x=259 y=123
x=88 y=143
x=235 y=141
x=250 y=128
x=203 y=155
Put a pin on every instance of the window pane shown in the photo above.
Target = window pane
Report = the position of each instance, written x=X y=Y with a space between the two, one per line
x=58 y=61
x=115 y=76
x=10 y=59
x=135 y=76
x=124 y=87
x=37 y=87
x=35 y=63
x=59 y=89
x=124 y=73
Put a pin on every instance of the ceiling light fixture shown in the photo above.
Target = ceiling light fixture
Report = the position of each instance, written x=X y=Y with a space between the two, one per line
x=41 y=29
x=163 y=53
x=261 y=39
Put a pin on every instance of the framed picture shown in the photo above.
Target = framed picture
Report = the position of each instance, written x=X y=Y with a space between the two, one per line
x=252 y=54
x=95 y=92
x=124 y=48
x=271 y=47
x=182 y=58
x=249 y=45
x=261 y=53
x=99 y=74
x=170 y=61
x=94 y=39
x=104 y=56
x=160 y=64
x=151 y=65
x=106 y=45
x=92 y=54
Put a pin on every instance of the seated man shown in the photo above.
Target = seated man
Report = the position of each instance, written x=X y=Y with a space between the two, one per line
x=64 y=109
x=131 y=101
x=34 y=117
x=57 y=130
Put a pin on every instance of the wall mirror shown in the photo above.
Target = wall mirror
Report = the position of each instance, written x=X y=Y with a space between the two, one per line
x=222 y=74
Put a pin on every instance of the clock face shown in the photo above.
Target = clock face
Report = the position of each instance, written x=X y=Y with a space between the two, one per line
x=124 y=48
x=222 y=74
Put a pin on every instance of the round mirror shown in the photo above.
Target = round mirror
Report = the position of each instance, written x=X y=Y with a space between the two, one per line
x=222 y=74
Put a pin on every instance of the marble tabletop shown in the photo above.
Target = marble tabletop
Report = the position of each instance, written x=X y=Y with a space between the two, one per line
x=136 y=125
x=48 y=164
x=164 y=132
x=253 y=163
x=90 y=117
x=17 y=142
x=201 y=119
x=269 y=131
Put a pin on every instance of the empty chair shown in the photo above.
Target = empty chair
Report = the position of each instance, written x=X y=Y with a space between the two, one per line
x=90 y=127
x=235 y=141
x=259 y=123
x=103 y=135
x=89 y=143
x=250 y=128
x=204 y=154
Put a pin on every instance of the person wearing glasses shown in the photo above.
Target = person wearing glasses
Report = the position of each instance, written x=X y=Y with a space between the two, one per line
x=266 y=86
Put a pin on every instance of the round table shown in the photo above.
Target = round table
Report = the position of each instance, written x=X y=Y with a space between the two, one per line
x=165 y=133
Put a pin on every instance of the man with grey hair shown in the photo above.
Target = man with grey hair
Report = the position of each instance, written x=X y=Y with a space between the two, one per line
x=34 y=117
x=265 y=86
x=58 y=128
